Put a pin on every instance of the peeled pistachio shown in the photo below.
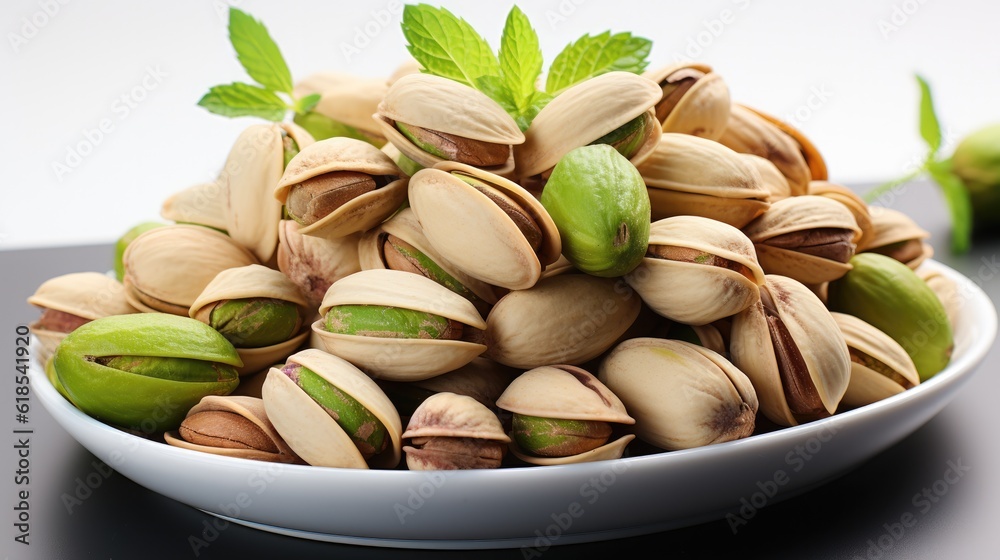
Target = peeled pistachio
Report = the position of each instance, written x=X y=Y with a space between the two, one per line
x=891 y=297
x=145 y=370
x=449 y=432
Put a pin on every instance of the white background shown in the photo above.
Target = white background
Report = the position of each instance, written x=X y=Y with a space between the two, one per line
x=842 y=71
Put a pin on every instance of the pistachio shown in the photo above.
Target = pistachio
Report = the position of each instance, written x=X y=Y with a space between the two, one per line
x=896 y=235
x=316 y=197
x=314 y=263
x=627 y=138
x=749 y=132
x=145 y=370
x=390 y=322
x=450 y=431
x=364 y=428
x=452 y=147
x=891 y=297
x=217 y=428
x=124 y=241
x=694 y=100
x=255 y=322
x=598 y=201
x=674 y=87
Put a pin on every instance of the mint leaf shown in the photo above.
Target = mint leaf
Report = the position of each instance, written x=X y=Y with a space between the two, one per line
x=520 y=58
x=240 y=100
x=930 y=129
x=446 y=45
x=959 y=204
x=305 y=104
x=258 y=53
x=592 y=56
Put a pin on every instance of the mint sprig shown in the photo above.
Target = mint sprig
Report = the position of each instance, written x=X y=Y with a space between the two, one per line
x=450 y=47
x=271 y=97
x=591 y=56
x=939 y=169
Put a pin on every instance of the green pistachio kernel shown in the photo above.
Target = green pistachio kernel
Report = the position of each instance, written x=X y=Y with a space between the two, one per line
x=627 y=138
x=256 y=322
x=365 y=429
x=390 y=322
x=553 y=437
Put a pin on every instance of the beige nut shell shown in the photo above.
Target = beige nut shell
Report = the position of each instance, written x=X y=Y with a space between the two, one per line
x=867 y=385
x=702 y=111
x=310 y=430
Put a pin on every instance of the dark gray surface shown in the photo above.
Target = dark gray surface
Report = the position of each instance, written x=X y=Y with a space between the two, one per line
x=845 y=519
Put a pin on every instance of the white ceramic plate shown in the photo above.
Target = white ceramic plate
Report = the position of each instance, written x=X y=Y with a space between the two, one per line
x=535 y=506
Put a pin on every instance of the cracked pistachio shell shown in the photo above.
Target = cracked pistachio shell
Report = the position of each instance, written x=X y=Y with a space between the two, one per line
x=168 y=267
x=442 y=105
x=801 y=214
x=880 y=367
x=400 y=359
x=703 y=109
x=812 y=333
x=86 y=295
x=681 y=395
x=474 y=234
x=688 y=175
x=584 y=113
x=255 y=281
x=202 y=204
x=566 y=392
x=771 y=178
x=346 y=154
x=701 y=290
x=563 y=319
x=449 y=415
x=138 y=400
x=311 y=431
x=405 y=227
x=857 y=205
x=254 y=165
x=251 y=410
x=345 y=98
x=482 y=379
x=314 y=263
x=749 y=132
x=896 y=235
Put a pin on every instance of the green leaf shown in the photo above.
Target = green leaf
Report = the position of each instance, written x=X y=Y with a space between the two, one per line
x=930 y=129
x=305 y=104
x=592 y=56
x=446 y=45
x=257 y=52
x=959 y=204
x=241 y=100
x=520 y=58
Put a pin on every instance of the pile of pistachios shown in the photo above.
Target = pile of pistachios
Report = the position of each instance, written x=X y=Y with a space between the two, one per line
x=647 y=266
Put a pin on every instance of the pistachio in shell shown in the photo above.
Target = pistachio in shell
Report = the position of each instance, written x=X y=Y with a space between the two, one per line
x=681 y=394
x=453 y=432
x=563 y=414
x=793 y=352
x=145 y=370
x=565 y=319
x=345 y=106
x=314 y=263
x=890 y=296
x=332 y=414
x=695 y=99
x=748 y=132
x=233 y=426
x=697 y=270
x=340 y=186
x=127 y=238
x=880 y=367
x=897 y=235
x=598 y=201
